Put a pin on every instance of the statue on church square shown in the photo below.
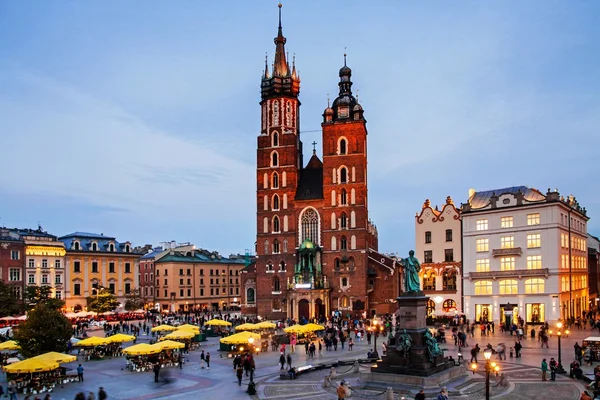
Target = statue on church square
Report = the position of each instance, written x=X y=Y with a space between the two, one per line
x=411 y=268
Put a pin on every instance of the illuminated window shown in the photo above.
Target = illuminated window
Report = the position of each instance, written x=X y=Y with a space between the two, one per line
x=482 y=224
x=534 y=286
x=508 y=286
x=506 y=222
x=534 y=240
x=534 y=262
x=533 y=219
x=507 y=264
x=482 y=245
x=429 y=280
x=507 y=242
x=483 y=287
x=449 y=305
x=449 y=280
x=564 y=240
x=482 y=265
x=430 y=307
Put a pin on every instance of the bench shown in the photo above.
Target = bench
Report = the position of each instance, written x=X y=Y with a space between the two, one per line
x=299 y=371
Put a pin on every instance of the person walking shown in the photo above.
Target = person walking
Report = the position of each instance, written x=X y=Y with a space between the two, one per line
x=289 y=360
x=11 y=389
x=544 y=368
x=420 y=395
x=207 y=359
x=80 y=373
x=102 y=394
x=282 y=361
x=180 y=360
x=156 y=369
x=341 y=392
x=239 y=372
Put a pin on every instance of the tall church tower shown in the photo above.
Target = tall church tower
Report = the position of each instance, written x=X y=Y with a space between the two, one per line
x=279 y=160
x=347 y=232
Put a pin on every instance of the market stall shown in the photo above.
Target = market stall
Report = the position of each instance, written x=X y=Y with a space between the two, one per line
x=141 y=357
x=37 y=375
x=164 y=328
x=593 y=343
x=240 y=342
x=216 y=327
x=96 y=348
x=9 y=345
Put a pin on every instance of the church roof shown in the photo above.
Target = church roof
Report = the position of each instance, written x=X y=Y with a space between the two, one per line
x=310 y=186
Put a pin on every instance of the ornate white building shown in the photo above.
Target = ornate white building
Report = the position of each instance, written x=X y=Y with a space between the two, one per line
x=523 y=251
x=438 y=247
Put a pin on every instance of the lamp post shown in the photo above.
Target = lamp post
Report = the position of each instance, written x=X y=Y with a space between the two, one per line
x=559 y=333
x=489 y=368
x=375 y=333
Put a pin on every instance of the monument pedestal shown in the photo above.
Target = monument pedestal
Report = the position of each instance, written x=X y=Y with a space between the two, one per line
x=411 y=320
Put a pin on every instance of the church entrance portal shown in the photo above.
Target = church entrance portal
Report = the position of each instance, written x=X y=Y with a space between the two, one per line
x=319 y=308
x=303 y=309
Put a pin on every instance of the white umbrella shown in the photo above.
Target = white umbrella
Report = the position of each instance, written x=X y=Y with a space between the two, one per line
x=21 y=318
x=8 y=318
x=12 y=360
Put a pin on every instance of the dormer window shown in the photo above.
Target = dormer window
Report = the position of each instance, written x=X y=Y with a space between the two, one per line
x=94 y=247
x=76 y=246
x=127 y=248
x=343 y=112
x=111 y=247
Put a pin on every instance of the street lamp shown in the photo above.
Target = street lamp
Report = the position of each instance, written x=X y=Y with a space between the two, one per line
x=559 y=333
x=489 y=368
x=375 y=333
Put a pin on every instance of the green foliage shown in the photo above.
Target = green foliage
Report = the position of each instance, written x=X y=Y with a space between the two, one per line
x=35 y=295
x=46 y=329
x=9 y=304
x=102 y=302
x=134 y=300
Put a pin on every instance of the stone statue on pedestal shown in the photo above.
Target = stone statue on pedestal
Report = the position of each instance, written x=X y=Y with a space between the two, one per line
x=432 y=346
x=405 y=342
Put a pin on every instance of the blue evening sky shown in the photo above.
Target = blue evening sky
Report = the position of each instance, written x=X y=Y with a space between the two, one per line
x=139 y=119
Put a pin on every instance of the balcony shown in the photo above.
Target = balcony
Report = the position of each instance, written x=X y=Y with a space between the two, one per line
x=513 y=251
x=513 y=273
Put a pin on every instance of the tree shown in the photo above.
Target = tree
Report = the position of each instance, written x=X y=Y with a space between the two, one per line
x=134 y=300
x=46 y=329
x=9 y=304
x=35 y=295
x=102 y=302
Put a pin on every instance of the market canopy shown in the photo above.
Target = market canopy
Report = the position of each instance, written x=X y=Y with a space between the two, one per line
x=240 y=338
x=169 y=345
x=189 y=327
x=120 y=338
x=295 y=329
x=31 y=365
x=55 y=357
x=218 y=322
x=92 y=341
x=182 y=334
x=246 y=327
x=266 y=325
x=142 y=349
x=161 y=328
x=9 y=345
x=313 y=327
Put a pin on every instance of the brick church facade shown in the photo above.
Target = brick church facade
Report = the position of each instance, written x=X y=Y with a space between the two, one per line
x=316 y=246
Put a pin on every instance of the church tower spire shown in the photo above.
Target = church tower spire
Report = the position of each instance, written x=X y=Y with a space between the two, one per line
x=281 y=65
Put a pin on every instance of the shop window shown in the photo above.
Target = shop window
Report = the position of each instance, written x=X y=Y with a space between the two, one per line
x=449 y=280
x=449 y=305
x=429 y=280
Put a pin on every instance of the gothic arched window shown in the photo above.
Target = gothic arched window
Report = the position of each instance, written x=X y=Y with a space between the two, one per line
x=276 y=285
x=343 y=175
x=275 y=183
x=344 y=197
x=266 y=247
x=275 y=202
x=275 y=139
x=250 y=295
x=274 y=159
x=343 y=221
x=343 y=243
x=309 y=226
x=343 y=146
x=285 y=246
x=275 y=246
x=276 y=224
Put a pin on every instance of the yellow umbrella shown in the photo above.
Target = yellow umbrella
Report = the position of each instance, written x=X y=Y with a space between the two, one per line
x=31 y=365
x=266 y=325
x=9 y=345
x=218 y=322
x=55 y=357
x=246 y=327
x=240 y=338
x=92 y=341
x=161 y=328
x=169 y=345
x=313 y=327
x=189 y=327
x=120 y=338
x=142 y=349
x=295 y=329
x=182 y=334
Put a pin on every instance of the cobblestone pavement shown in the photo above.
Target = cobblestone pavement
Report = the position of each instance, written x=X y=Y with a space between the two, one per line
x=219 y=382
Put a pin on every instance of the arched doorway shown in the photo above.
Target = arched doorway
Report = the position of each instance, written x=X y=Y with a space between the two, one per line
x=77 y=308
x=303 y=309
x=319 y=308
